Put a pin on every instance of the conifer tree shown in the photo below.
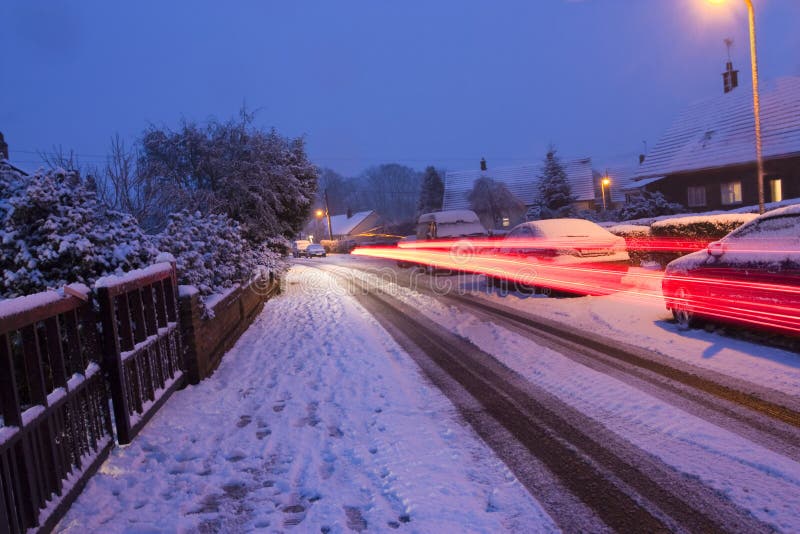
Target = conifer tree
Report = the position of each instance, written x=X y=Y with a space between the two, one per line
x=431 y=196
x=555 y=192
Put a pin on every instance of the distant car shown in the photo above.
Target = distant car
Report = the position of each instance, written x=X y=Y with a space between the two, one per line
x=750 y=277
x=571 y=255
x=314 y=249
x=299 y=247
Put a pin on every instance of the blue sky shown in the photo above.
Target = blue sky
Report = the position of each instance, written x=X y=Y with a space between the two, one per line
x=368 y=82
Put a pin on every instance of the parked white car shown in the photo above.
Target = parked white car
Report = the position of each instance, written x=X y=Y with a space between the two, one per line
x=314 y=249
x=571 y=255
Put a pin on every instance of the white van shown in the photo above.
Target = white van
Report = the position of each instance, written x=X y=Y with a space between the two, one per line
x=449 y=224
x=446 y=225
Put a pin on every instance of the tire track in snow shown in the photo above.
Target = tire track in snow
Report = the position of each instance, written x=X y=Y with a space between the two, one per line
x=316 y=419
x=692 y=493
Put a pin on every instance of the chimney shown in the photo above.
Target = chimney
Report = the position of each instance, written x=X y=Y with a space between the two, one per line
x=3 y=147
x=349 y=213
x=730 y=78
x=483 y=164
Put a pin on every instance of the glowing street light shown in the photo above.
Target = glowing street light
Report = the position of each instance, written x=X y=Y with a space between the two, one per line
x=320 y=213
x=756 y=99
x=605 y=182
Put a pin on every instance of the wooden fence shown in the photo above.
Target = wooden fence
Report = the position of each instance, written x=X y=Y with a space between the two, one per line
x=141 y=344
x=57 y=424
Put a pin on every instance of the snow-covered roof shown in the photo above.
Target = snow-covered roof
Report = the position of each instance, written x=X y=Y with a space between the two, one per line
x=341 y=225
x=636 y=184
x=5 y=162
x=720 y=131
x=521 y=180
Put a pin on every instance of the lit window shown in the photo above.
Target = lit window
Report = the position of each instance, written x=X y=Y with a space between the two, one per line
x=731 y=192
x=697 y=196
x=506 y=222
x=776 y=189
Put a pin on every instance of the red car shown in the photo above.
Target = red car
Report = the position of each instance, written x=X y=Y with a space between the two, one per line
x=750 y=277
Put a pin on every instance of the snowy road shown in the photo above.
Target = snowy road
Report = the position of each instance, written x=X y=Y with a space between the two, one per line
x=318 y=421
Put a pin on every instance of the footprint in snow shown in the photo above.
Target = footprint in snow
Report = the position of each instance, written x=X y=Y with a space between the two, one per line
x=355 y=521
x=244 y=421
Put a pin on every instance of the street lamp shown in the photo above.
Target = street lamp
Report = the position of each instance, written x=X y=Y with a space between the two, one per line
x=751 y=15
x=605 y=182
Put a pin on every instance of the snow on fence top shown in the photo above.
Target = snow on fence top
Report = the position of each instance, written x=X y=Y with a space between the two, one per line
x=114 y=281
x=15 y=307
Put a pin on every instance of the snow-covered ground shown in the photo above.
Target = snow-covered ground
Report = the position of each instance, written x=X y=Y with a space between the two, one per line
x=637 y=316
x=765 y=483
x=315 y=419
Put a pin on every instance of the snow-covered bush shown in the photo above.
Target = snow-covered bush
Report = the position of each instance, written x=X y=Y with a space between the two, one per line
x=701 y=227
x=647 y=204
x=694 y=232
x=53 y=231
x=635 y=236
x=211 y=251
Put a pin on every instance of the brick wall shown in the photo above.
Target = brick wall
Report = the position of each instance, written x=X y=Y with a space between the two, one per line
x=207 y=339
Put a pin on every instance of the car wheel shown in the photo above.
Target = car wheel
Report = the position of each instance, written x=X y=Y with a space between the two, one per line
x=682 y=311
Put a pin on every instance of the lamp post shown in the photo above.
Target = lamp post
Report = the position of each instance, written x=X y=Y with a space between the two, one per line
x=319 y=213
x=605 y=182
x=751 y=16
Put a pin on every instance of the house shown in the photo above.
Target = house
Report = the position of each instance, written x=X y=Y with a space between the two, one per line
x=523 y=182
x=706 y=159
x=4 y=155
x=612 y=192
x=358 y=227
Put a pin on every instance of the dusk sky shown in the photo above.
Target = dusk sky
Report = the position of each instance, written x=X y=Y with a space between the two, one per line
x=369 y=82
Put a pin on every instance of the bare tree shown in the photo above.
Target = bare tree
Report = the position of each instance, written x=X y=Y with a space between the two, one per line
x=59 y=158
x=121 y=187
x=492 y=201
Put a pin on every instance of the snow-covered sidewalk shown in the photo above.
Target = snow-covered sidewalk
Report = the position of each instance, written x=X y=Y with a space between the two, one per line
x=316 y=419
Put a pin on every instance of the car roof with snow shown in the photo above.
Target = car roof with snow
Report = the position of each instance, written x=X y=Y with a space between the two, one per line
x=556 y=228
x=449 y=217
x=794 y=209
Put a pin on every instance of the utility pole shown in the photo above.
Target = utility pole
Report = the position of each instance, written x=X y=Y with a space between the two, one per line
x=756 y=104
x=328 y=215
